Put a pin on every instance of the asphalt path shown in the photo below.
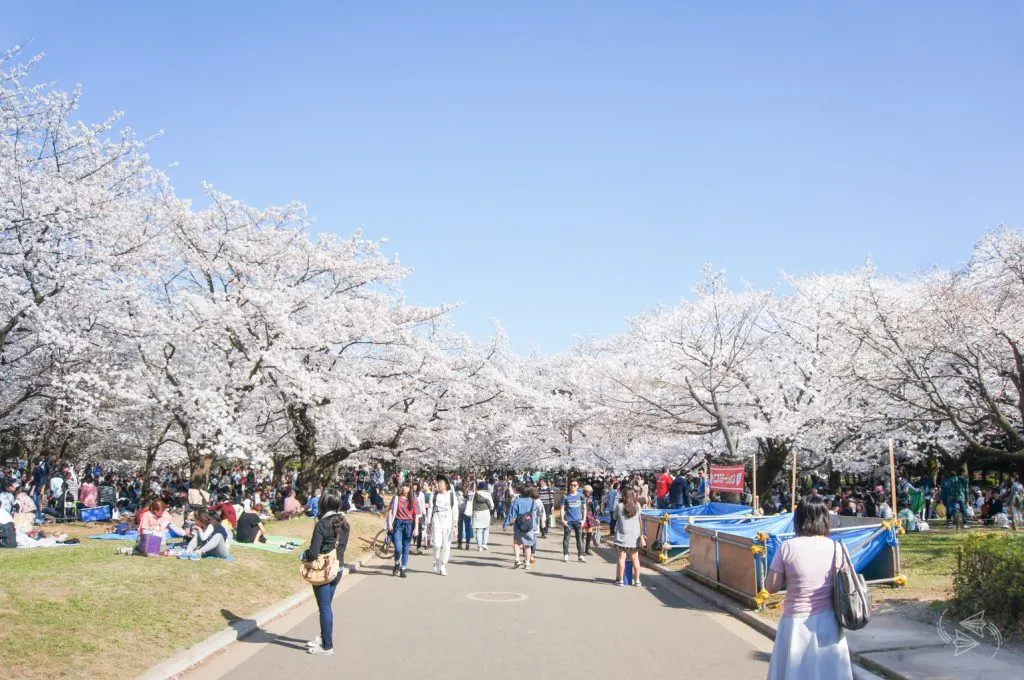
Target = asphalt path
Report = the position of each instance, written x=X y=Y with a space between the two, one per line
x=486 y=620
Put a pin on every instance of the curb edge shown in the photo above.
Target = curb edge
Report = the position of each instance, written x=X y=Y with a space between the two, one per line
x=185 y=660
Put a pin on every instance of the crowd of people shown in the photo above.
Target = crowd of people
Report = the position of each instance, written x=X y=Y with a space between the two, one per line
x=443 y=513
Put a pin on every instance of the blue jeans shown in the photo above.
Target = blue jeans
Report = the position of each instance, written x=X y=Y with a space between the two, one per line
x=324 y=596
x=465 y=529
x=482 y=535
x=39 y=504
x=953 y=509
x=402 y=539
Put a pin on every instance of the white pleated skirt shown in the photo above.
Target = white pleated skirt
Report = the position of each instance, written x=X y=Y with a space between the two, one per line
x=810 y=648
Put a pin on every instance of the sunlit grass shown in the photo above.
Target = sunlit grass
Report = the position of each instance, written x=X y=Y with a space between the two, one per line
x=87 y=612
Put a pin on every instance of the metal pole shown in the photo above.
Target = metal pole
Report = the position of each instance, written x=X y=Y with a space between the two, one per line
x=754 y=487
x=892 y=475
x=793 y=488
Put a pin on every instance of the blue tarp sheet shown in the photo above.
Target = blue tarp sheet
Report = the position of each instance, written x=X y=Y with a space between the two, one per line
x=864 y=544
x=710 y=509
x=677 y=534
x=703 y=510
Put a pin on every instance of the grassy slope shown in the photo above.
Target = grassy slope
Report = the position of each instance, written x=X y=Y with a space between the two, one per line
x=85 y=611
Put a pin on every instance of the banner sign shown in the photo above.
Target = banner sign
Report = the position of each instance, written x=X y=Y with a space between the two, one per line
x=727 y=478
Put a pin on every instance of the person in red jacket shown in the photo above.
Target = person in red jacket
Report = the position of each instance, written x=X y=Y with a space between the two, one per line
x=227 y=511
x=661 y=490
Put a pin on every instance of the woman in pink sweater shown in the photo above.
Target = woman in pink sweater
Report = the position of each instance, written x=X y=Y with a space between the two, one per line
x=809 y=643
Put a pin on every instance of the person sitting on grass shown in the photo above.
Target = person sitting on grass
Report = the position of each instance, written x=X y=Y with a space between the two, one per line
x=8 y=534
x=155 y=519
x=209 y=540
x=24 y=511
x=291 y=506
x=376 y=500
x=88 y=493
x=226 y=510
x=250 y=527
x=313 y=503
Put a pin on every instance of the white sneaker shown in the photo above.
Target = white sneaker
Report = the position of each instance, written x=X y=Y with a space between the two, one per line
x=315 y=642
x=479 y=548
x=485 y=548
x=444 y=572
x=318 y=650
x=516 y=565
x=437 y=569
x=527 y=567
x=581 y=558
x=565 y=558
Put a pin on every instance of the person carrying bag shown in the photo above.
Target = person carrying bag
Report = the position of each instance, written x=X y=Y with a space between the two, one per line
x=322 y=565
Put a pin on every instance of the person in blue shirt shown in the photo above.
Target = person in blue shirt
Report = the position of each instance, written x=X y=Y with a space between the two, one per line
x=609 y=506
x=313 y=504
x=574 y=513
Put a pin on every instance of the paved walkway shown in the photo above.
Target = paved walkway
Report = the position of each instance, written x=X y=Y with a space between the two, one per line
x=573 y=620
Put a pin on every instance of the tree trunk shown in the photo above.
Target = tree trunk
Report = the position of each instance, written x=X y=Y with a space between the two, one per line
x=774 y=457
x=304 y=436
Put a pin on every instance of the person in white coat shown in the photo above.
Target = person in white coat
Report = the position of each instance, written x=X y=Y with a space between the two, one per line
x=480 y=505
x=444 y=517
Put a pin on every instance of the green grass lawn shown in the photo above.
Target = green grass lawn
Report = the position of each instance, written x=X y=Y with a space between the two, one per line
x=86 y=612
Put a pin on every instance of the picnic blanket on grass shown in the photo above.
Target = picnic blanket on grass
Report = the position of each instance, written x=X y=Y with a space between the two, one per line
x=127 y=536
x=274 y=544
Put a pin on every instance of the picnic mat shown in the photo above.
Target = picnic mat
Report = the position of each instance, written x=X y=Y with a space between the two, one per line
x=129 y=536
x=273 y=544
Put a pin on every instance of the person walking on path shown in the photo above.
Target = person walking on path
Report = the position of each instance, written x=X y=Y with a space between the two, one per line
x=330 y=533
x=403 y=518
x=421 y=498
x=809 y=642
x=444 y=514
x=465 y=518
x=481 y=504
x=610 y=501
x=525 y=515
x=546 y=495
x=574 y=513
x=628 y=536
x=591 y=525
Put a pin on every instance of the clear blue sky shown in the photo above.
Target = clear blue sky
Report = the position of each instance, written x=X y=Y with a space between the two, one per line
x=561 y=166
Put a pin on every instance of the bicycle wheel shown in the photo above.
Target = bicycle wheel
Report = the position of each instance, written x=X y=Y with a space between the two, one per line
x=382 y=546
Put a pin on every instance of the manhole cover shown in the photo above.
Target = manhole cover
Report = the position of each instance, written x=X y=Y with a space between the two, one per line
x=496 y=597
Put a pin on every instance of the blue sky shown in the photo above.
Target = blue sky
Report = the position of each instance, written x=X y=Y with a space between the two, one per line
x=563 y=166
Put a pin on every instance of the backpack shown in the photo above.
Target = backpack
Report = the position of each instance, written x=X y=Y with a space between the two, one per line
x=524 y=522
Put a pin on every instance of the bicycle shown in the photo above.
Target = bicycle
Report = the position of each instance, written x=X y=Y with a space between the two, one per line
x=382 y=545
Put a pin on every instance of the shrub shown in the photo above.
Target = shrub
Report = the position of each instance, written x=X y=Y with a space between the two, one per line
x=989 y=577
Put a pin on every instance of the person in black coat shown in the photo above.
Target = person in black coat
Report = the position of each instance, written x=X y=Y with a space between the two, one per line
x=679 y=492
x=330 y=533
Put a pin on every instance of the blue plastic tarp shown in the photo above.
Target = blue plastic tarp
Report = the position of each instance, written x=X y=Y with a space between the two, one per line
x=863 y=543
x=703 y=510
x=710 y=509
x=676 y=533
